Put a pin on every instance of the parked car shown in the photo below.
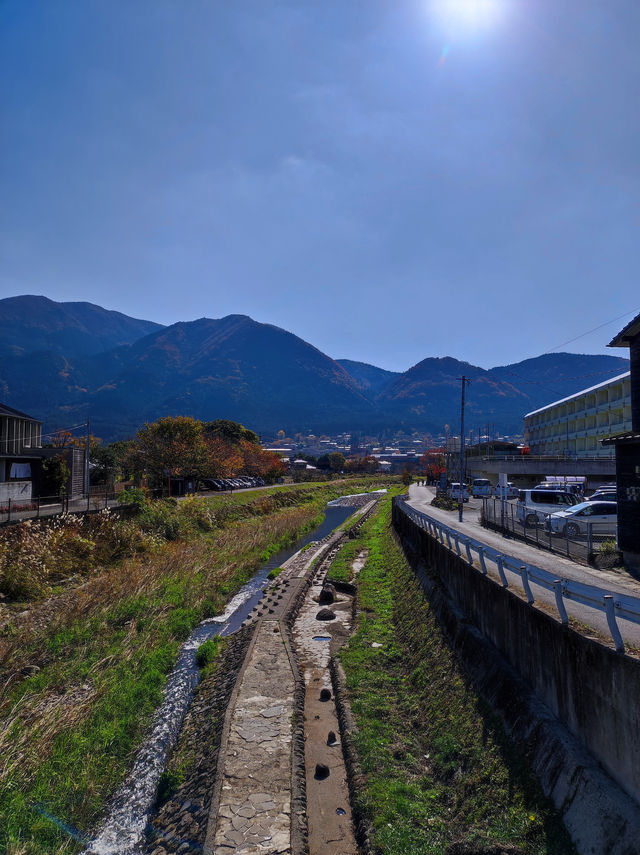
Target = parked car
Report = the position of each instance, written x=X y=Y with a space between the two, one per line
x=574 y=521
x=576 y=488
x=456 y=492
x=480 y=487
x=510 y=492
x=535 y=505
x=604 y=496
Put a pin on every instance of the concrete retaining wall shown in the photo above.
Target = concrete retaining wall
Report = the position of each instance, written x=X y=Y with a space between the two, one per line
x=592 y=690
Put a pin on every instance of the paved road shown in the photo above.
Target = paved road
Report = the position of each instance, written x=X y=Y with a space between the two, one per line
x=420 y=498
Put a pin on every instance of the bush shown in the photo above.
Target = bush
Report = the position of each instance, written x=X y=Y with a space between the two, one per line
x=208 y=652
x=608 y=547
x=135 y=496
x=162 y=518
x=198 y=513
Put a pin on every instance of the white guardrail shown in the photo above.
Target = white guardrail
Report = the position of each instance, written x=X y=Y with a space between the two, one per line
x=612 y=603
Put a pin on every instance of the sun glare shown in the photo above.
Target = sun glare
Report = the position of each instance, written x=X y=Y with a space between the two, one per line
x=469 y=15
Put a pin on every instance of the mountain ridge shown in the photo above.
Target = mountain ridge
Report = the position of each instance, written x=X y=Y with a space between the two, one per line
x=255 y=373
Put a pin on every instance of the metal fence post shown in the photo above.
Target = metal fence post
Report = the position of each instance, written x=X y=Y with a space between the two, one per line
x=566 y=534
x=609 y=607
x=557 y=588
x=501 y=572
x=469 y=555
x=38 y=508
x=525 y=584
x=9 y=509
x=482 y=561
x=590 y=537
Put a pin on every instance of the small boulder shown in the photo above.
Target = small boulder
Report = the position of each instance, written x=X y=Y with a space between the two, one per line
x=325 y=614
x=327 y=594
x=322 y=772
x=331 y=739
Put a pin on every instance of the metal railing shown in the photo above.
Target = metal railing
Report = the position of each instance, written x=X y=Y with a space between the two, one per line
x=576 y=540
x=614 y=604
x=17 y=510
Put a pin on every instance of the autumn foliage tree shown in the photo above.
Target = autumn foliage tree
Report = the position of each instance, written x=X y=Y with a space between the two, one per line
x=173 y=446
x=433 y=463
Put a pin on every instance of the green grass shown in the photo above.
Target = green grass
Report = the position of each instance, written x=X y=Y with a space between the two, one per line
x=439 y=767
x=69 y=732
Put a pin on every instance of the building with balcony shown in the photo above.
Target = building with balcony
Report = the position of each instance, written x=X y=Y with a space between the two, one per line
x=20 y=451
x=575 y=426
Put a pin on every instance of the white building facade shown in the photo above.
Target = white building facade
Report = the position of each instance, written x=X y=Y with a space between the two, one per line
x=575 y=425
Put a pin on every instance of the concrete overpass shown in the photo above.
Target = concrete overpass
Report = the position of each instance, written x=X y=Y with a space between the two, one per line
x=529 y=470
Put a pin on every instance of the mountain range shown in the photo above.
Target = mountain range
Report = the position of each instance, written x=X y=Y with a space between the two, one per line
x=63 y=361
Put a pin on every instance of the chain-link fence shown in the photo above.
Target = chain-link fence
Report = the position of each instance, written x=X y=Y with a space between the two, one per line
x=576 y=537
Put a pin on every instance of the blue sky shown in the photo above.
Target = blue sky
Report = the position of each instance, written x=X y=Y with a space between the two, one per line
x=388 y=179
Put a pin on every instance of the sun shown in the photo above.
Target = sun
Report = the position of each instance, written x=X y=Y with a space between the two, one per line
x=467 y=15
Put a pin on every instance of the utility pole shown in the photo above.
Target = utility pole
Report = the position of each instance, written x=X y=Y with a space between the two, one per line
x=465 y=381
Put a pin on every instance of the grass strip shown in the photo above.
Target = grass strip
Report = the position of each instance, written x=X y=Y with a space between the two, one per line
x=440 y=770
x=79 y=693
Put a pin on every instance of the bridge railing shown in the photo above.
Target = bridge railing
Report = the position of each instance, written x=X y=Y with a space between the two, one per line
x=616 y=606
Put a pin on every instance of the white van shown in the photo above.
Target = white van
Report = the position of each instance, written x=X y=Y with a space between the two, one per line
x=456 y=492
x=480 y=487
x=534 y=505
x=510 y=492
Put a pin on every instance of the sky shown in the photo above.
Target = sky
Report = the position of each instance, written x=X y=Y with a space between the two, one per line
x=388 y=179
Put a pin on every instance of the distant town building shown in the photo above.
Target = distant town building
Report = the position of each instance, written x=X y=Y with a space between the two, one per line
x=627 y=449
x=577 y=425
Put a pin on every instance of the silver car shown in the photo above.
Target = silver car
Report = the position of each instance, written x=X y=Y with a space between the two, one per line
x=574 y=521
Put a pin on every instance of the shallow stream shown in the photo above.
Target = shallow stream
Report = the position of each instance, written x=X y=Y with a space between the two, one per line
x=123 y=830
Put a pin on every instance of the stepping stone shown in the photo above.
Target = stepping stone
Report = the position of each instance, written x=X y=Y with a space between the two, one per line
x=322 y=772
x=325 y=614
x=327 y=595
x=325 y=694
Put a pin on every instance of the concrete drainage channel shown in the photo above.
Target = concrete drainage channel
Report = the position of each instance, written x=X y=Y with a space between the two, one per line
x=280 y=782
x=330 y=825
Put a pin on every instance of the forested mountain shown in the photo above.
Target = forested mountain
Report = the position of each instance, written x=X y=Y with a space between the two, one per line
x=63 y=361
x=29 y=324
x=371 y=379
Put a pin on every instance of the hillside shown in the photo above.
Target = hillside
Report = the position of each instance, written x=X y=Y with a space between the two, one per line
x=371 y=379
x=29 y=324
x=56 y=368
x=428 y=394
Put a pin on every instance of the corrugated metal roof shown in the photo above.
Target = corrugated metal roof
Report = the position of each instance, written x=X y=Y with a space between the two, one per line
x=581 y=392
x=622 y=339
x=9 y=411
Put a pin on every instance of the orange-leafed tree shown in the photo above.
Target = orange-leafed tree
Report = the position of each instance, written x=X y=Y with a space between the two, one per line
x=173 y=446
x=224 y=458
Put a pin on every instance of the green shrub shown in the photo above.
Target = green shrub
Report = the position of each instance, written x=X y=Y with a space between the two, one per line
x=273 y=574
x=161 y=517
x=135 y=496
x=608 y=547
x=208 y=652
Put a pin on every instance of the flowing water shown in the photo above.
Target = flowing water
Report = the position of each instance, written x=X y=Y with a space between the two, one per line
x=124 y=828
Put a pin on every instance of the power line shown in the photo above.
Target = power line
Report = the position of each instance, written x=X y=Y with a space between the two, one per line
x=599 y=327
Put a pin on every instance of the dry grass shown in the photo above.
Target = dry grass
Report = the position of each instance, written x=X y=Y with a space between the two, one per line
x=81 y=672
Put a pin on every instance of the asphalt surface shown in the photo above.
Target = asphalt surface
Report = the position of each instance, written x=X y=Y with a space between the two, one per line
x=614 y=581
